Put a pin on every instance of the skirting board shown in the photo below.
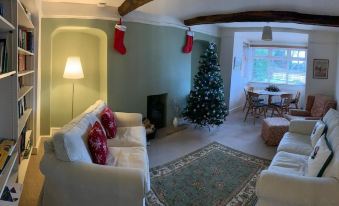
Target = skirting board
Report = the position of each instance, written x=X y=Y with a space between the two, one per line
x=235 y=109
x=53 y=130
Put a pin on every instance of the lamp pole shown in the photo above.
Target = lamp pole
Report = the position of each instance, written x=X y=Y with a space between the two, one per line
x=73 y=100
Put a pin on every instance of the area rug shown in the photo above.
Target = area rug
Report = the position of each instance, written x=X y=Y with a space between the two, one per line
x=214 y=175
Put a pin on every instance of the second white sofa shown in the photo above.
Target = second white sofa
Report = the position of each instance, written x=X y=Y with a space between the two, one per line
x=285 y=182
x=71 y=178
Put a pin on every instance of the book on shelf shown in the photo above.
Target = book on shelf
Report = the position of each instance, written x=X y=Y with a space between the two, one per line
x=3 y=56
x=26 y=40
x=21 y=62
x=7 y=147
x=21 y=106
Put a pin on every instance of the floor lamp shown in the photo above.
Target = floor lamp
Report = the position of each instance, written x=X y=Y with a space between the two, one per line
x=73 y=70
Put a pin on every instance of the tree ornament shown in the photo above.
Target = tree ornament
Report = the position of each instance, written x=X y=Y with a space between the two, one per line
x=119 y=33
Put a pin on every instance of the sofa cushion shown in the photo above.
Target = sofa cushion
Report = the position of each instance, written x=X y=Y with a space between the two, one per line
x=320 y=158
x=331 y=120
x=295 y=143
x=291 y=117
x=132 y=157
x=319 y=105
x=332 y=169
x=108 y=122
x=96 y=108
x=97 y=143
x=70 y=142
x=318 y=130
x=289 y=163
x=129 y=137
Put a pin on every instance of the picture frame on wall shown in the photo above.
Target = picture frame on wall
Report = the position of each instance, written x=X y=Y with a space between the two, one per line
x=320 y=68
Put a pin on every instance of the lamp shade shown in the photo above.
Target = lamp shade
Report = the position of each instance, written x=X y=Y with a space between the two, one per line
x=267 y=33
x=73 y=68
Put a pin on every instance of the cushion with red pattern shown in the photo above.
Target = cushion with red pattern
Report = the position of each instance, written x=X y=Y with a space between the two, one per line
x=108 y=122
x=97 y=144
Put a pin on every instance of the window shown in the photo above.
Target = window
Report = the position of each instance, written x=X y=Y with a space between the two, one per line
x=279 y=65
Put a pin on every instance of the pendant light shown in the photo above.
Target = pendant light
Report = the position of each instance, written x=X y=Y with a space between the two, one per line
x=267 y=33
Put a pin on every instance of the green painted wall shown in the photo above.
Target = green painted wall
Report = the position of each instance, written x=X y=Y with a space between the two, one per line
x=153 y=64
x=198 y=49
x=71 y=43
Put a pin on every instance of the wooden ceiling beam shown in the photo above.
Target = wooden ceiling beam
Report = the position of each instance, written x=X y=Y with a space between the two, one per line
x=130 y=5
x=266 y=16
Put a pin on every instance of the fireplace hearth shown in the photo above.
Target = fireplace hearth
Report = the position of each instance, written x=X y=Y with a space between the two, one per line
x=156 y=109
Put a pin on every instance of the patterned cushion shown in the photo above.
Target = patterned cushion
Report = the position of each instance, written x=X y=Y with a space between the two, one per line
x=320 y=157
x=109 y=123
x=318 y=130
x=319 y=105
x=97 y=143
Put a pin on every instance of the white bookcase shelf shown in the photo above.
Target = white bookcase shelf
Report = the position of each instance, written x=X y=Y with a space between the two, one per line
x=7 y=170
x=5 y=26
x=24 y=73
x=23 y=120
x=24 y=91
x=23 y=19
x=25 y=52
x=11 y=127
x=8 y=74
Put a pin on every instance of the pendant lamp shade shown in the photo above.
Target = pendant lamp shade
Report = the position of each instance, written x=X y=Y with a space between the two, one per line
x=267 y=33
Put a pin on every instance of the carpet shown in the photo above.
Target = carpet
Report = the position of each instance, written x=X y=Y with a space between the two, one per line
x=213 y=175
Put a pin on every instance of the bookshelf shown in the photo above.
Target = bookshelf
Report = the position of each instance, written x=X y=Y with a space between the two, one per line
x=17 y=86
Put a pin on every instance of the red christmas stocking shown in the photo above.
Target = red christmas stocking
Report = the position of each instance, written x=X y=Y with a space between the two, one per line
x=119 y=33
x=189 y=42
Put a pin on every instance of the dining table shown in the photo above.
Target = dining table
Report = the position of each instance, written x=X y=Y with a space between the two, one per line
x=270 y=94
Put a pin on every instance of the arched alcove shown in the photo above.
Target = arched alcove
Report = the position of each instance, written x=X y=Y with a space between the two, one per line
x=91 y=46
x=199 y=46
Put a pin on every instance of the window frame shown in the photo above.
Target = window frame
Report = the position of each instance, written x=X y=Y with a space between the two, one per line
x=270 y=58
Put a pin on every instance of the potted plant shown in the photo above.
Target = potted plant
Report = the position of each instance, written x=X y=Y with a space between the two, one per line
x=272 y=88
x=177 y=120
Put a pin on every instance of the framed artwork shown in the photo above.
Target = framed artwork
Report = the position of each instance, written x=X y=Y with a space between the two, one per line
x=320 y=68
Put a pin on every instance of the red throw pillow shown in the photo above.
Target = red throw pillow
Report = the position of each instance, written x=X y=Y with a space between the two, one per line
x=109 y=123
x=97 y=143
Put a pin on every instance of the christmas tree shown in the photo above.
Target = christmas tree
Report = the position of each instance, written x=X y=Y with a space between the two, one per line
x=206 y=102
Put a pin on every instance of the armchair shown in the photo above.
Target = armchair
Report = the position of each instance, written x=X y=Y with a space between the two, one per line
x=316 y=108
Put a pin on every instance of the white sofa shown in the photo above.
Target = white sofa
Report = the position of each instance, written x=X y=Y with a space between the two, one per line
x=285 y=183
x=72 y=179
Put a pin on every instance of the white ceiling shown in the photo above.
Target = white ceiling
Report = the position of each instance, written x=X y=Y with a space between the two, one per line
x=183 y=9
x=278 y=38
x=114 y=3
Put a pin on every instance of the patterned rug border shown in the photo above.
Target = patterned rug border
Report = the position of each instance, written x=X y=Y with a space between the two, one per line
x=246 y=188
x=264 y=161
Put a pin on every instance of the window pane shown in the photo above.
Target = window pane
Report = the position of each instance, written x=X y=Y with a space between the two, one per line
x=278 y=71
x=261 y=52
x=294 y=53
x=279 y=52
x=297 y=72
x=260 y=68
x=302 y=54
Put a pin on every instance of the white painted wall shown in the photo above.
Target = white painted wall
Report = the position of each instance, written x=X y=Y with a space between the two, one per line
x=239 y=78
x=226 y=59
x=322 y=45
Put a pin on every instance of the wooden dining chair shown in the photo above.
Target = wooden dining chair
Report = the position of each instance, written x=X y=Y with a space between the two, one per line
x=295 y=100
x=282 y=106
x=255 y=107
x=247 y=98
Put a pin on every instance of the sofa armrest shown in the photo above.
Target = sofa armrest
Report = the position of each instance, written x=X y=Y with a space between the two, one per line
x=297 y=190
x=128 y=119
x=299 y=112
x=313 y=118
x=302 y=126
x=91 y=184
